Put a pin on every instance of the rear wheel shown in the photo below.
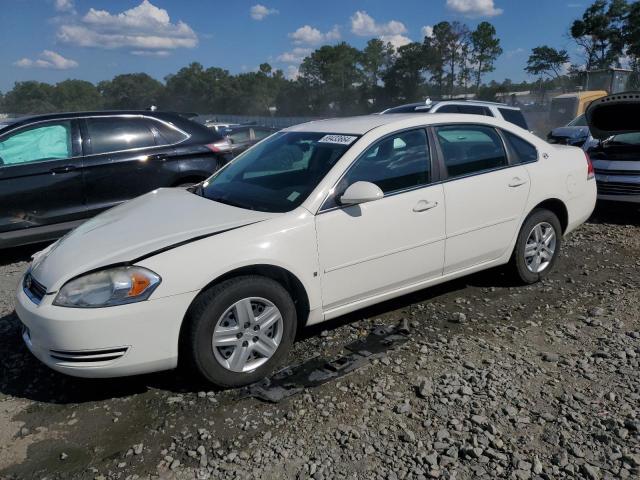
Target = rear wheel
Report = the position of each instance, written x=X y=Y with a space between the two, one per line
x=537 y=246
x=240 y=330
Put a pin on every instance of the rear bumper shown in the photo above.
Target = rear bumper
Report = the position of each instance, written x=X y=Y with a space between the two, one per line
x=104 y=342
x=581 y=207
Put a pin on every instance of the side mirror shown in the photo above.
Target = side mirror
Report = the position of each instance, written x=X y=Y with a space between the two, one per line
x=361 y=192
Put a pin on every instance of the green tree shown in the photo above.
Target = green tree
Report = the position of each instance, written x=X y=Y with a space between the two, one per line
x=404 y=80
x=76 y=95
x=545 y=60
x=376 y=59
x=30 y=97
x=196 y=89
x=632 y=35
x=600 y=33
x=485 y=49
x=331 y=73
x=131 y=91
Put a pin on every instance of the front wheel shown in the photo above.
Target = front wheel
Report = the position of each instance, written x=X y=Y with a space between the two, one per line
x=240 y=330
x=537 y=246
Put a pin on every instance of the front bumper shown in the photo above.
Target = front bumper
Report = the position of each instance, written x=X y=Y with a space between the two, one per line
x=104 y=342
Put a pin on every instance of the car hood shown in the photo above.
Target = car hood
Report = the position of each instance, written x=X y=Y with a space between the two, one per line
x=153 y=222
x=570 y=132
x=614 y=114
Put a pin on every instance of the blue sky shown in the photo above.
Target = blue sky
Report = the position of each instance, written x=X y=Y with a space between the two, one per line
x=52 y=40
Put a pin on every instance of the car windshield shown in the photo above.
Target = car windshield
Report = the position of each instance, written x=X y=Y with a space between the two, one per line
x=626 y=139
x=579 y=121
x=278 y=174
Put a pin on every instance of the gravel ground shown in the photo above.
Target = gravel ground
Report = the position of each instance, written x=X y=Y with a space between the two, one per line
x=496 y=381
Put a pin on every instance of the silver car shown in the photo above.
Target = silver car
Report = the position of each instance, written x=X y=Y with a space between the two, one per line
x=614 y=122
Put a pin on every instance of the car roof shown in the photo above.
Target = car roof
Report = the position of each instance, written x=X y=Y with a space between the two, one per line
x=96 y=113
x=364 y=123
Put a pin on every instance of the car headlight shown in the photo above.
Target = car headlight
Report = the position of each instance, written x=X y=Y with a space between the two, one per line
x=109 y=287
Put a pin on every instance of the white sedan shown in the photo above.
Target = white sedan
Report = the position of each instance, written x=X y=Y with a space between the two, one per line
x=313 y=222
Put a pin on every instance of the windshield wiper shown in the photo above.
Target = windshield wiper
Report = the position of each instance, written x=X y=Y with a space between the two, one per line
x=230 y=203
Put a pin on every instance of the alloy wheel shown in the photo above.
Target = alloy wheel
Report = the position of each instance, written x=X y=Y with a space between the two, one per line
x=247 y=334
x=540 y=247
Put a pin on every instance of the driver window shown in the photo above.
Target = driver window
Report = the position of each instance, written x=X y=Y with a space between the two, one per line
x=397 y=162
x=50 y=141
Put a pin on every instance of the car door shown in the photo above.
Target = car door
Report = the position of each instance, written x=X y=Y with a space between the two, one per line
x=386 y=244
x=40 y=177
x=485 y=194
x=124 y=158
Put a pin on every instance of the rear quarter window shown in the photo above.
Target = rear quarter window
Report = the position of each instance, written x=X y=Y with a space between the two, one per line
x=524 y=151
x=166 y=135
x=514 y=116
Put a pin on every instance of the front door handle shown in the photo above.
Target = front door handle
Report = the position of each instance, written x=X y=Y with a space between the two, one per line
x=63 y=169
x=424 y=205
x=516 y=182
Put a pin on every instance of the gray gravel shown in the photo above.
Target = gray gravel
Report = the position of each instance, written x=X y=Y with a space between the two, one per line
x=497 y=381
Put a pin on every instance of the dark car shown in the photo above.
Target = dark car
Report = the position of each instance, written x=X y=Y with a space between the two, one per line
x=58 y=170
x=245 y=136
x=575 y=133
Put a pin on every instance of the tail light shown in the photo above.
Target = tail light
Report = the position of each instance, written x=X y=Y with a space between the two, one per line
x=220 y=146
x=591 y=174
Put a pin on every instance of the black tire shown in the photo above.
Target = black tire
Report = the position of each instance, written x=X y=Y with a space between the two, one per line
x=518 y=264
x=207 y=309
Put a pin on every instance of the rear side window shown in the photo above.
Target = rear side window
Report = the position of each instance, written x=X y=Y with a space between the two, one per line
x=240 y=136
x=514 y=116
x=448 y=109
x=114 y=134
x=49 y=141
x=469 y=149
x=261 y=133
x=166 y=135
x=525 y=152
x=474 y=110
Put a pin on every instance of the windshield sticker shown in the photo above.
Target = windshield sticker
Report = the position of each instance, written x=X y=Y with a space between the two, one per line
x=339 y=139
x=293 y=196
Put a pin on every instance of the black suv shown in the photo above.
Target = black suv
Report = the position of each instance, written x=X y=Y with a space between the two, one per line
x=57 y=170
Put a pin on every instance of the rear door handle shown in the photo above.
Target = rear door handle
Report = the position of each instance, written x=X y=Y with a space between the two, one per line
x=63 y=169
x=424 y=205
x=516 y=182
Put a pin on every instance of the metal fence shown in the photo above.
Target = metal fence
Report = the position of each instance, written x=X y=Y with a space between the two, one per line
x=273 y=122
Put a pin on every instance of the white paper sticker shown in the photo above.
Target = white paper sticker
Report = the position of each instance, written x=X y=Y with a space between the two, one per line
x=293 y=196
x=339 y=139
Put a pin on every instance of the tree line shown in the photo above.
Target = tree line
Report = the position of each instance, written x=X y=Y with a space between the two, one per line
x=341 y=79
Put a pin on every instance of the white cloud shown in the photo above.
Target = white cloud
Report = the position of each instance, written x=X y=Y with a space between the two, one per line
x=292 y=72
x=259 y=12
x=308 y=35
x=363 y=25
x=151 y=53
x=145 y=27
x=294 y=56
x=64 y=6
x=474 y=8
x=47 y=59
x=427 y=31
x=396 y=40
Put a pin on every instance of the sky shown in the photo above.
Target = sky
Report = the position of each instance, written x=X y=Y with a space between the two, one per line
x=52 y=40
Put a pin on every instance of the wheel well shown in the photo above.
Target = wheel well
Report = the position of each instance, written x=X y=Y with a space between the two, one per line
x=284 y=277
x=559 y=208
